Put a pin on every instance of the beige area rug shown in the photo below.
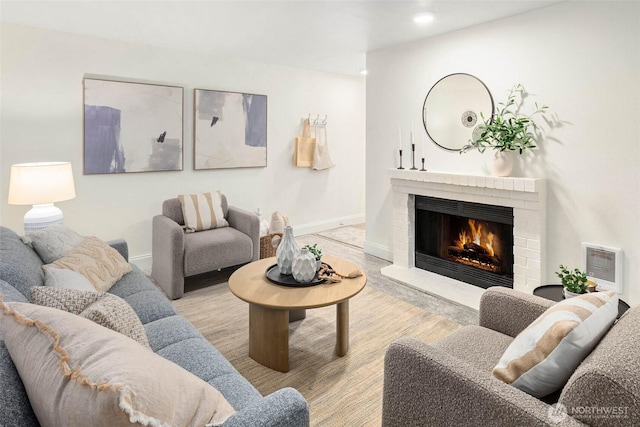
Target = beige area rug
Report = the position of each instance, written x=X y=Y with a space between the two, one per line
x=341 y=391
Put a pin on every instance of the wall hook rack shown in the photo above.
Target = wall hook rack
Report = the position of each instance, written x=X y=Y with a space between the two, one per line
x=316 y=121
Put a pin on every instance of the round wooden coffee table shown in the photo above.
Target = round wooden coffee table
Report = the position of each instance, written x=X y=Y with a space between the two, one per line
x=270 y=304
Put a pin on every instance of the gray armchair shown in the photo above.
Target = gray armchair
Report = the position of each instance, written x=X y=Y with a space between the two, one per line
x=449 y=382
x=177 y=254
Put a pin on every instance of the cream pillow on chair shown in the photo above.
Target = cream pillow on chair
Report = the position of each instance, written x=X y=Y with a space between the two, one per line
x=202 y=211
x=541 y=358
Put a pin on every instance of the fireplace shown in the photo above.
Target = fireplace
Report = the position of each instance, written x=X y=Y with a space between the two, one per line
x=526 y=197
x=466 y=241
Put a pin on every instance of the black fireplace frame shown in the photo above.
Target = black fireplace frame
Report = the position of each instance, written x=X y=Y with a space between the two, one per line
x=452 y=269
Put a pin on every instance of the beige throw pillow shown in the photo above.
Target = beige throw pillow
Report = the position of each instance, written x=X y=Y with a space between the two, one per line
x=102 y=308
x=78 y=373
x=541 y=358
x=102 y=265
x=202 y=211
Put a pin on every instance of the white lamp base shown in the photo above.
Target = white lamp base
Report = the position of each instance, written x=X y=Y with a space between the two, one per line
x=42 y=216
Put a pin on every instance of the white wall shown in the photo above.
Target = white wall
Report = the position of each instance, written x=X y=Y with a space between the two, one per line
x=42 y=105
x=580 y=58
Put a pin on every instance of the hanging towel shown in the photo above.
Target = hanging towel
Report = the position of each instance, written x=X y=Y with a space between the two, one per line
x=321 y=157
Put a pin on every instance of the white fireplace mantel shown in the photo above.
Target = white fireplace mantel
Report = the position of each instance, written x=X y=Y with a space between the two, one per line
x=527 y=197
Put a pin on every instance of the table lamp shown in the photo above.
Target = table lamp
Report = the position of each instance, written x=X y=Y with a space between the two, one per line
x=40 y=185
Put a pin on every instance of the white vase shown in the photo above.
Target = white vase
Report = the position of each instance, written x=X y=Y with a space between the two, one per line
x=502 y=163
x=569 y=294
x=304 y=266
x=287 y=251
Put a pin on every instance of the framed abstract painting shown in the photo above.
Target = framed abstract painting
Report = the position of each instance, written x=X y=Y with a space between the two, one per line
x=230 y=130
x=132 y=127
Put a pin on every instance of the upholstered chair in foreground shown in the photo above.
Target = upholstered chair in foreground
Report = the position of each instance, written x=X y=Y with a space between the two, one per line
x=450 y=382
x=178 y=254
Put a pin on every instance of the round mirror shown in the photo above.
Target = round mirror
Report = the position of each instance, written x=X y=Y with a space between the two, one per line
x=451 y=110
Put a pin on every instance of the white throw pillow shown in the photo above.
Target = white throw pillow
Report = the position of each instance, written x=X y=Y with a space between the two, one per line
x=541 y=358
x=63 y=278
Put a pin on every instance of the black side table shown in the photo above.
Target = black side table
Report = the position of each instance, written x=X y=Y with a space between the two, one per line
x=554 y=293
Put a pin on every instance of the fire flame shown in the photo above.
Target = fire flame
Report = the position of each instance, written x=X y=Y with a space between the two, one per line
x=462 y=239
x=475 y=232
x=489 y=244
x=476 y=237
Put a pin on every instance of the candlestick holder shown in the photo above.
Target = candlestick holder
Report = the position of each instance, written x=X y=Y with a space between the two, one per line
x=413 y=158
x=423 y=169
x=400 y=160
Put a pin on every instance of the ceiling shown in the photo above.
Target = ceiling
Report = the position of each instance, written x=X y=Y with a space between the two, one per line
x=329 y=36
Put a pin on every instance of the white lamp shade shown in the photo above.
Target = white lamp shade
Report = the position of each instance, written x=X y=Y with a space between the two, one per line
x=40 y=183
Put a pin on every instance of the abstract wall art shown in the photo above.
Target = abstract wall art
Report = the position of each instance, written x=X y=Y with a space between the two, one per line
x=230 y=130
x=132 y=127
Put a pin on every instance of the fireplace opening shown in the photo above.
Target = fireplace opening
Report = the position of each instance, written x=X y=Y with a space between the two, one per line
x=470 y=242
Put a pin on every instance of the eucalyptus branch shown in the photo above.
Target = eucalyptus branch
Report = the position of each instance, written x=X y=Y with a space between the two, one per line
x=315 y=251
x=507 y=130
x=573 y=280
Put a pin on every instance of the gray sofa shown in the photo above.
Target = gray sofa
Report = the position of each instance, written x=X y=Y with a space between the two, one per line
x=170 y=336
x=449 y=382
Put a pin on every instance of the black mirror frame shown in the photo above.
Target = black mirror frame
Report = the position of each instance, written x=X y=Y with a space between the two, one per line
x=424 y=104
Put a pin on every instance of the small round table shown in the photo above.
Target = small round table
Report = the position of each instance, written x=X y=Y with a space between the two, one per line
x=270 y=306
x=554 y=293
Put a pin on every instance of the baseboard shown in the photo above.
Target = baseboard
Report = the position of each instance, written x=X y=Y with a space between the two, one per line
x=316 y=227
x=379 y=251
x=143 y=262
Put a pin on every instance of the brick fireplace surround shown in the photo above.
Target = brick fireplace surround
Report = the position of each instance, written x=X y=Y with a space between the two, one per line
x=526 y=196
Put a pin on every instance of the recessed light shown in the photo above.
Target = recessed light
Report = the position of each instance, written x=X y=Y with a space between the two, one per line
x=423 y=18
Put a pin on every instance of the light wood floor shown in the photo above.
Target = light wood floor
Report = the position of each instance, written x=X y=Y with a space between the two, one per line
x=341 y=391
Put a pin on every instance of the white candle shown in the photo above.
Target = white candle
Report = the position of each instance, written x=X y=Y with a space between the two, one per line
x=399 y=138
x=422 y=149
x=412 y=142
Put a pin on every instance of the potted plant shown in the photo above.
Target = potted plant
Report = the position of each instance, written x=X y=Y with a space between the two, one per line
x=507 y=131
x=574 y=282
x=316 y=252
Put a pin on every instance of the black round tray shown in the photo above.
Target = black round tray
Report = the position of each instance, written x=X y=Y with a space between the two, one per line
x=274 y=275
